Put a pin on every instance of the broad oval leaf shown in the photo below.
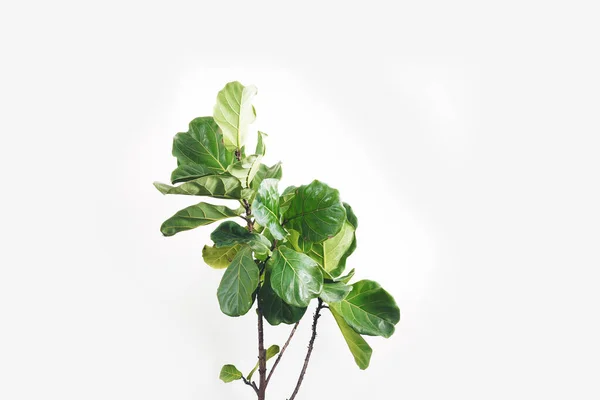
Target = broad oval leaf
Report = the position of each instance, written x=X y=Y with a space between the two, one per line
x=218 y=186
x=295 y=277
x=369 y=309
x=229 y=233
x=187 y=172
x=240 y=280
x=197 y=215
x=271 y=352
x=359 y=348
x=219 y=257
x=315 y=211
x=234 y=113
x=275 y=310
x=229 y=373
x=265 y=208
x=332 y=253
x=334 y=292
x=202 y=145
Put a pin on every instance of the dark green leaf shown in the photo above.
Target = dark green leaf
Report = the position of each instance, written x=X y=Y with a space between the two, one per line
x=334 y=292
x=265 y=208
x=201 y=146
x=315 y=212
x=230 y=233
x=187 y=172
x=234 y=113
x=235 y=292
x=195 y=216
x=230 y=373
x=296 y=278
x=219 y=257
x=219 y=186
x=270 y=353
x=359 y=348
x=275 y=310
x=369 y=309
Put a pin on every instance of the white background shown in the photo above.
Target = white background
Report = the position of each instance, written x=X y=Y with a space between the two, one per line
x=464 y=134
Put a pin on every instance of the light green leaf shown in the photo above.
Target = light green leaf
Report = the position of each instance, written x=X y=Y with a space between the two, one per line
x=334 y=292
x=346 y=278
x=330 y=253
x=195 y=216
x=202 y=145
x=246 y=169
x=265 y=172
x=234 y=113
x=265 y=208
x=230 y=233
x=260 y=145
x=219 y=186
x=275 y=310
x=270 y=353
x=359 y=348
x=296 y=278
x=316 y=212
x=235 y=292
x=219 y=257
x=369 y=309
x=230 y=373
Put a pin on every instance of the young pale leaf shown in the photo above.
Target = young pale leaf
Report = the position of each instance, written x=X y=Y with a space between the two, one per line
x=369 y=309
x=295 y=277
x=195 y=216
x=260 y=145
x=202 y=145
x=235 y=292
x=275 y=310
x=265 y=172
x=331 y=254
x=315 y=211
x=219 y=186
x=346 y=278
x=234 y=113
x=229 y=233
x=270 y=353
x=219 y=257
x=265 y=208
x=230 y=373
x=334 y=292
x=246 y=169
x=359 y=348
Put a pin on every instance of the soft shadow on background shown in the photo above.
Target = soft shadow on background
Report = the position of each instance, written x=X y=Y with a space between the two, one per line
x=464 y=135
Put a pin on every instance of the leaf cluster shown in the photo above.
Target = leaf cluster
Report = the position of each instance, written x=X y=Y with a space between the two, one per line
x=293 y=244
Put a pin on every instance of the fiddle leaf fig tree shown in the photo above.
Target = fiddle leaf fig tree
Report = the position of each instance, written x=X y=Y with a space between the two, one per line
x=291 y=249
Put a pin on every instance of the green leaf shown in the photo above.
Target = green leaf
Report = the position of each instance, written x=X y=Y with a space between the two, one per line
x=369 y=309
x=230 y=373
x=265 y=208
x=219 y=257
x=265 y=172
x=270 y=353
x=195 y=216
x=346 y=278
x=334 y=292
x=235 y=292
x=260 y=145
x=234 y=113
x=296 y=278
x=187 y=172
x=286 y=198
x=230 y=233
x=359 y=348
x=246 y=169
x=315 y=212
x=275 y=310
x=219 y=186
x=202 y=145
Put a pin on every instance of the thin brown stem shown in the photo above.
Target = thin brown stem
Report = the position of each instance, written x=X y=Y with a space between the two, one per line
x=289 y=339
x=262 y=359
x=251 y=384
x=310 y=348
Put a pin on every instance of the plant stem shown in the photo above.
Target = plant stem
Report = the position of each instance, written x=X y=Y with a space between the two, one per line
x=310 y=348
x=281 y=352
x=262 y=361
